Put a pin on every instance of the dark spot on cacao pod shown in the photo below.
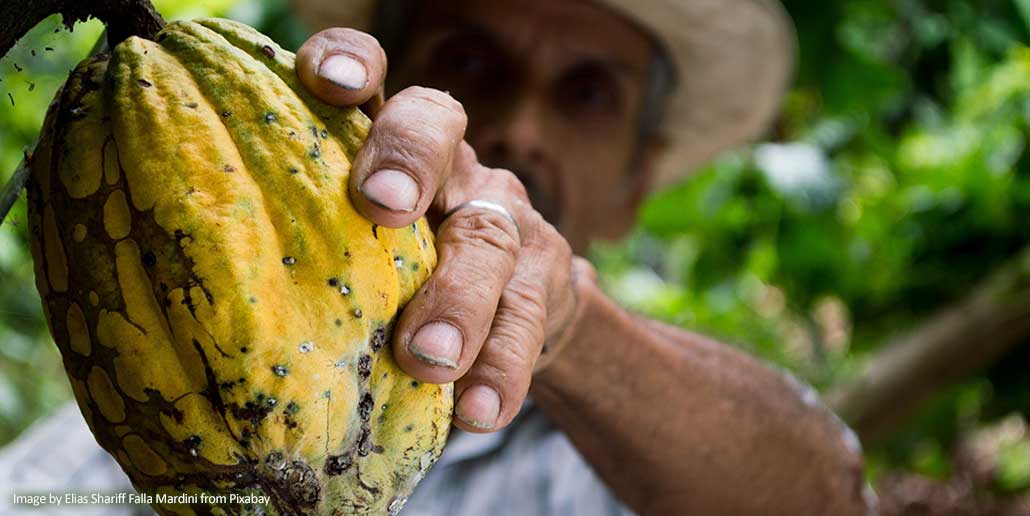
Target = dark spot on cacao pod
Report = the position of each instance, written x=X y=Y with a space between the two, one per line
x=252 y=300
x=292 y=407
x=149 y=259
x=10 y=97
x=365 y=406
x=16 y=67
x=337 y=464
x=365 y=366
x=375 y=231
x=191 y=105
x=414 y=266
x=270 y=117
x=414 y=384
x=357 y=313
x=192 y=444
x=315 y=151
x=339 y=322
x=242 y=381
x=33 y=52
x=32 y=86
x=226 y=386
x=252 y=412
x=294 y=171
x=228 y=168
x=378 y=449
x=280 y=370
x=145 y=83
x=333 y=282
x=243 y=349
x=268 y=51
x=48 y=49
x=324 y=134
x=227 y=114
x=378 y=338
x=289 y=260
x=365 y=440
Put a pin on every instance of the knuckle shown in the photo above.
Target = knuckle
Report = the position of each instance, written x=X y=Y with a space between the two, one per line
x=412 y=146
x=439 y=100
x=482 y=229
x=508 y=182
x=527 y=304
x=451 y=286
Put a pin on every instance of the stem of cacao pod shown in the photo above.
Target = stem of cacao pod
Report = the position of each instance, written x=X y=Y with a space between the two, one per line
x=123 y=18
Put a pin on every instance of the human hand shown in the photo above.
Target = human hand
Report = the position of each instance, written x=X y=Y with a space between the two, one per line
x=504 y=290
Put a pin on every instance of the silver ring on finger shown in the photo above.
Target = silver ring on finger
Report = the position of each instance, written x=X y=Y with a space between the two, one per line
x=487 y=205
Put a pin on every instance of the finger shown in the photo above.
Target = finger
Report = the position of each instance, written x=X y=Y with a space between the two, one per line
x=342 y=67
x=444 y=326
x=492 y=391
x=408 y=154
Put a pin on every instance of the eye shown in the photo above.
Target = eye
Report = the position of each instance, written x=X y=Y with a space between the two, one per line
x=466 y=64
x=590 y=90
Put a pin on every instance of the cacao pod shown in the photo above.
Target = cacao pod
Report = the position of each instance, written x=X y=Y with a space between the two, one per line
x=222 y=310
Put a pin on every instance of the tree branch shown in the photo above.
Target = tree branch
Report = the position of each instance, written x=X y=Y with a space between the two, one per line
x=123 y=18
x=957 y=342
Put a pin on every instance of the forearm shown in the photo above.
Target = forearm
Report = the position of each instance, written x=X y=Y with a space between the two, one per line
x=679 y=424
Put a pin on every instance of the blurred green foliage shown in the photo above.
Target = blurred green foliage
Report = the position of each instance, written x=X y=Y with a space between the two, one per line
x=895 y=179
x=900 y=178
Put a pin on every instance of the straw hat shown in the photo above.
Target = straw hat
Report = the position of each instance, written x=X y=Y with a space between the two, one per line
x=734 y=59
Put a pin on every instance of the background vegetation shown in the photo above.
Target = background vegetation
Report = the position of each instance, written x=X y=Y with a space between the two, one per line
x=896 y=180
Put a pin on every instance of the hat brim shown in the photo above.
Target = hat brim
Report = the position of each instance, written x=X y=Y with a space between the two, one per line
x=734 y=59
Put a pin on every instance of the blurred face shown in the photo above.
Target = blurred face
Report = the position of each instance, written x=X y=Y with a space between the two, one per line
x=554 y=91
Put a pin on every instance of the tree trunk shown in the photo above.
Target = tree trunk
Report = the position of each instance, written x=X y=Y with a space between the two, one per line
x=947 y=348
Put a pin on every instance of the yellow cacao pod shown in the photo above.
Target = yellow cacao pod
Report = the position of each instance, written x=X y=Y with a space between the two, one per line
x=222 y=310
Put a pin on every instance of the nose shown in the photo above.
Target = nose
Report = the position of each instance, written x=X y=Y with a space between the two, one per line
x=516 y=139
x=515 y=134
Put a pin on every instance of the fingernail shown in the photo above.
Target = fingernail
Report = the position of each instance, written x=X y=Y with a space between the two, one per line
x=479 y=407
x=343 y=71
x=437 y=343
x=391 y=189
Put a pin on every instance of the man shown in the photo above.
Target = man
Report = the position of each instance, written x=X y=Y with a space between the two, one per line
x=583 y=107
